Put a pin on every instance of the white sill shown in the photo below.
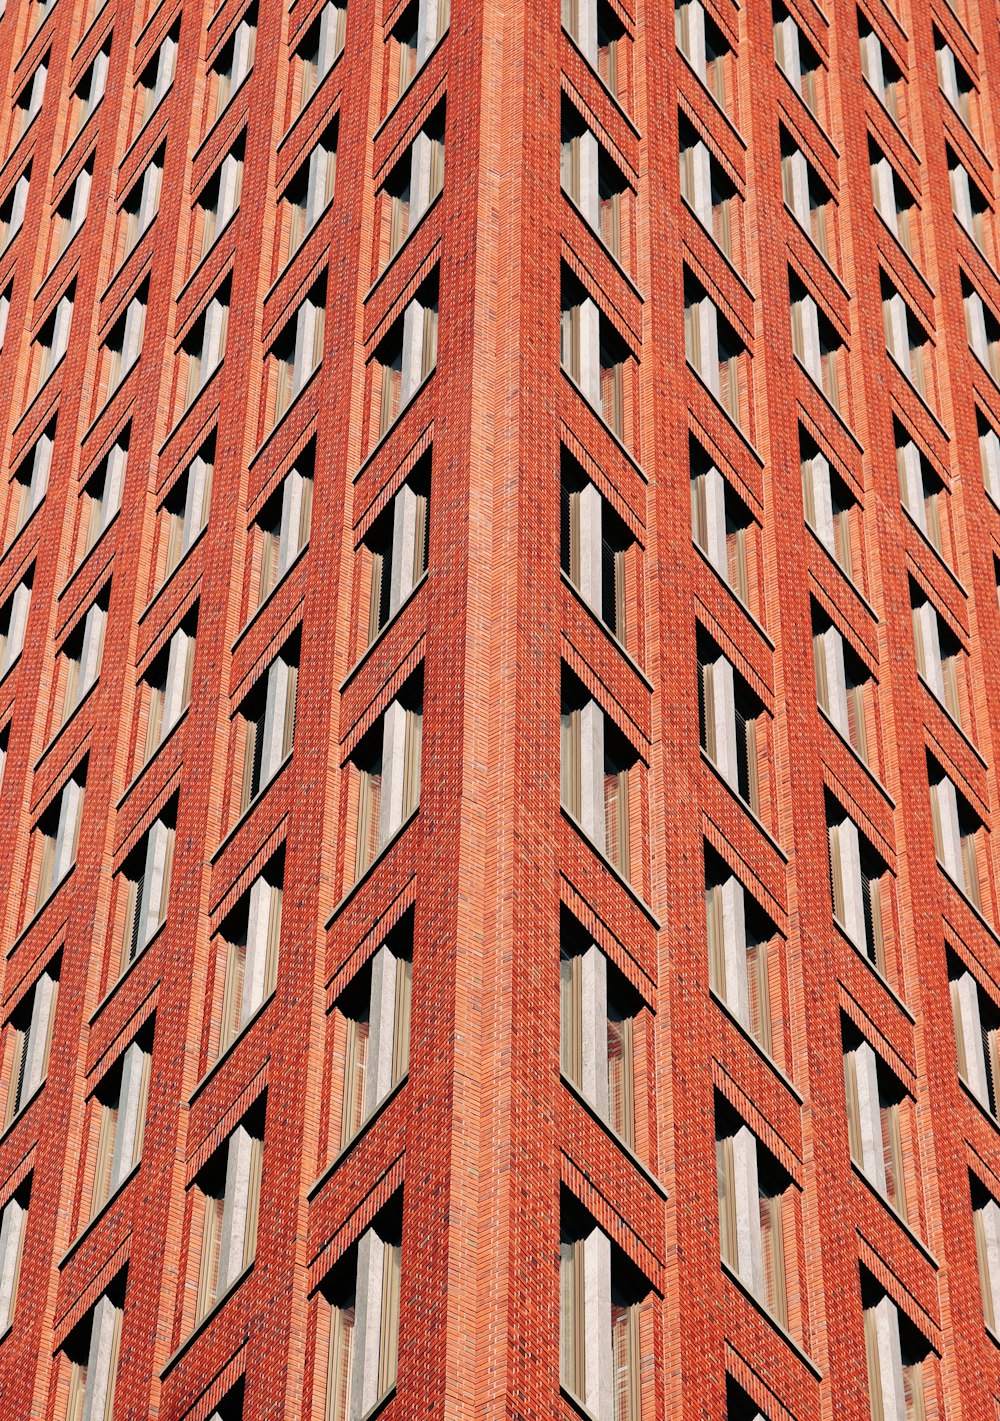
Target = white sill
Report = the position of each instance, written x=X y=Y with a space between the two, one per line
x=630 y=1155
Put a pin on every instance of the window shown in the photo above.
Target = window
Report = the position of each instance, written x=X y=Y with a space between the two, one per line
x=79 y=662
x=13 y=1221
x=57 y=836
x=601 y=39
x=743 y=954
x=91 y=1353
x=72 y=210
x=894 y=202
x=144 y=886
x=861 y=889
x=708 y=190
x=102 y=493
x=968 y=203
x=397 y=545
x=879 y=1121
x=250 y=939
x=266 y=721
x=12 y=209
x=230 y=1192
x=298 y=350
x=957 y=830
x=184 y=511
x=371 y=1028
x=143 y=201
x=806 y=196
x=234 y=63
x=986 y=1222
x=53 y=338
x=319 y=49
x=281 y=528
x=989 y=455
x=595 y=184
x=983 y=330
x=387 y=765
x=204 y=346
x=883 y=74
x=13 y=619
x=818 y=345
x=406 y=357
x=124 y=341
x=956 y=85
x=309 y=193
x=733 y=729
x=798 y=60
x=756 y=1213
x=31 y=479
x=31 y=1029
x=845 y=689
x=4 y=747
x=158 y=75
x=413 y=184
x=596 y=550
x=220 y=197
x=90 y=90
x=29 y=101
x=941 y=659
x=4 y=311
x=166 y=686
x=600 y=1293
x=704 y=47
x=922 y=492
x=716 y=352
x=723 y=526
x=120 y=1118
x=594 y=356
x=831 y=510
x=898 y=1357
x=362 y=1315
x=598 y=1027
x=977 y=1035
x=907 y=341
x=596 y=762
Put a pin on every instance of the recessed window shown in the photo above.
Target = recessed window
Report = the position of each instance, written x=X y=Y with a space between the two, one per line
x=596 y=768
x=907 y=341
x=757 y=1213
x=78 y=664
x=831 y=510
x=50 y=344
x=597 y=550
x=397 y=545
x=13 y=620
x=219 y=199
x=716 y=353
x=204 y=347
x=29 y=102
x=266 y=724
x=281 y=528
x=861 y=888
x=976 y=1019
x=709 y=191
x=359 y=1324
x=13 y=1222
x=298 y=350
x=723 y=527
x=57 y=835
x=883 y=74
x=880 y=1121
x=846 y=690
x=144 y=886
x=102 y=494
x=968 y=202
x=72 y=210
x=317 y=52
x=123 y=345
x=744 y=963
x=12 y=209
x=90 y=90
x=31 y=481
x=247 y=962
x=900 y=1362
x=706 y=49
x=119 y=1119
x=734 y=732
x=818 y=345
x=234 y=62
x=386 y=778
x=602 y=39
x=941 y=658
x=406 y=357
x=228 y=1189
x=308 y=194
x=143 y=201
x=894 y=202
x=90 y=1357
x=983 y=329
x=596 y=358
x=807 y=196
x=157 y=76
x=30 y=1039
x=165 y=690
x=183 y=513
x=415 y=181
x=799 y=61
x=371 y=1033
x=959 y=834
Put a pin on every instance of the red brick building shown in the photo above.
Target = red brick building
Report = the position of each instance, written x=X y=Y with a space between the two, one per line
x=498 y=593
